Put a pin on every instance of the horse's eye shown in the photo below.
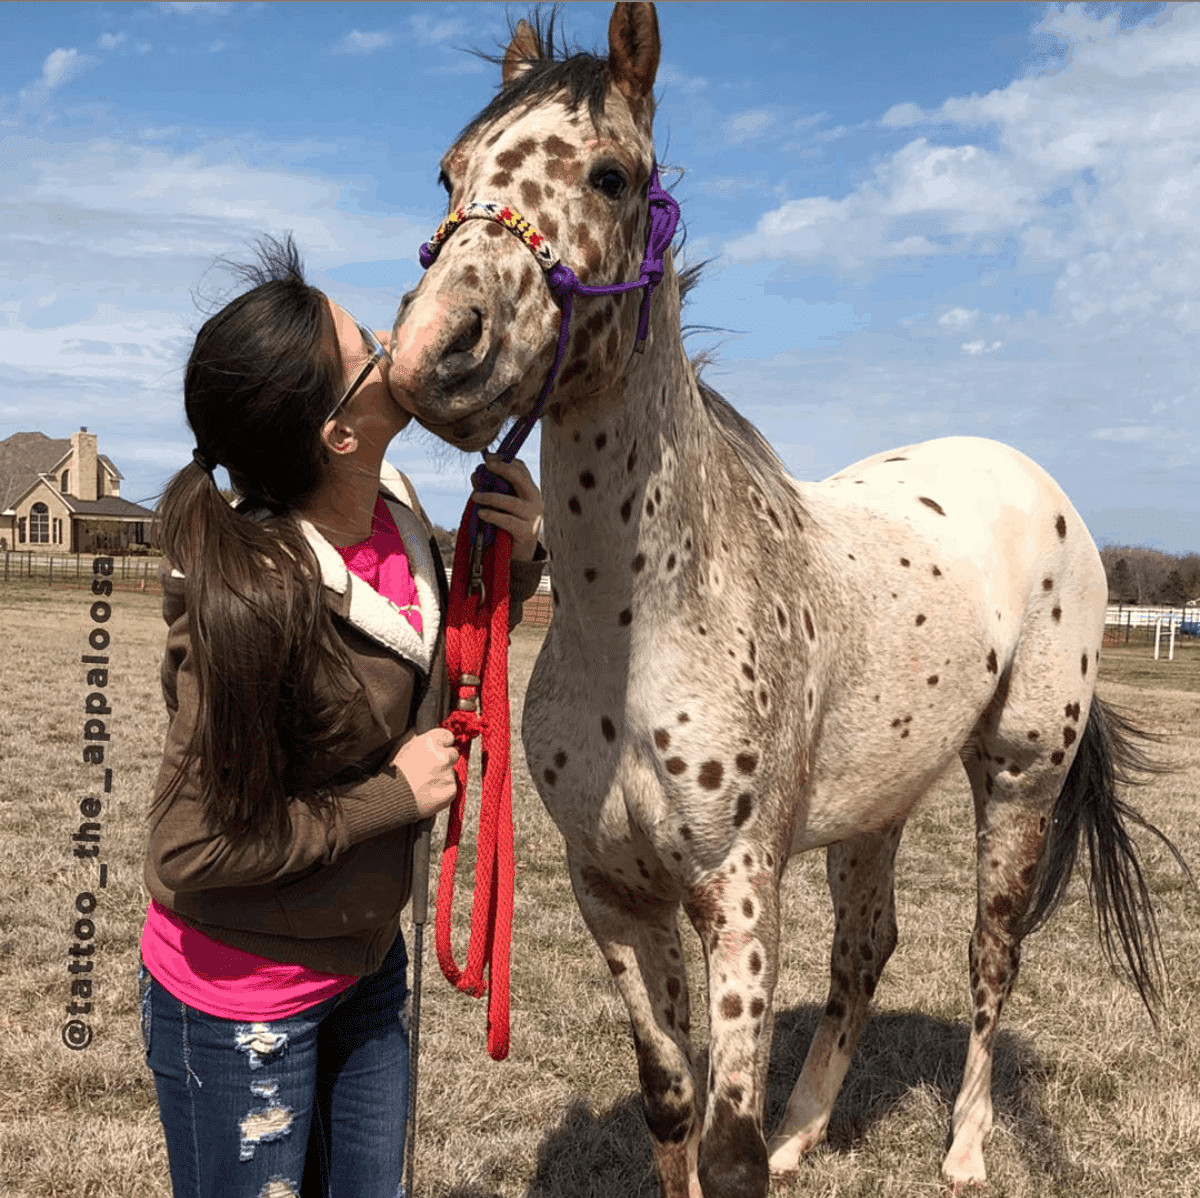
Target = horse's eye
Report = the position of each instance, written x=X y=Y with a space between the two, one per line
x=444 y=181
x=609 y=182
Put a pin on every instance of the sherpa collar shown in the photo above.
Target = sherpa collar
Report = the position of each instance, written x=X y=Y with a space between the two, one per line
x=369 y=611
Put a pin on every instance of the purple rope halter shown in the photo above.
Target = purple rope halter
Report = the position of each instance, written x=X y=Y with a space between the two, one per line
x=664 y=217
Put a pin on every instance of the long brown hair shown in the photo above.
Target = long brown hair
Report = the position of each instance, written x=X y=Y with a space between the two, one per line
x=277 y=691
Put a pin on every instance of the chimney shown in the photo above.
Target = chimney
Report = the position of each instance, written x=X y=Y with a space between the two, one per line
x=84 y=465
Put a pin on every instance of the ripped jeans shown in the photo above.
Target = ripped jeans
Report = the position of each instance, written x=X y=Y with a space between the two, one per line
x=311 y=1106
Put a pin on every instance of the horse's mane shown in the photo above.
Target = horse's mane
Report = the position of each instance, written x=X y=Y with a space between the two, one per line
x=557 y=69
x=747 y=443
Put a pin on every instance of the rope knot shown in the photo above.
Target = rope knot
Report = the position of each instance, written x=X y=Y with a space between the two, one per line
x=464 y=726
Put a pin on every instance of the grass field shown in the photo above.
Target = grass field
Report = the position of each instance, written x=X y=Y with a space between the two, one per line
x=1091 y=1100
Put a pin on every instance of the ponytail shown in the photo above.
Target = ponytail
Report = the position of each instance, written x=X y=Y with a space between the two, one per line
x=277 y=691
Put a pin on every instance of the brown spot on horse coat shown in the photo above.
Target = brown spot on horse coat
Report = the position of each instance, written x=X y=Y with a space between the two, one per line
x=932 y=503
x=606 y=727
x=742 y=812
x=746 y=763
x=710 y=775
x=1060 y=526
x=676 y=765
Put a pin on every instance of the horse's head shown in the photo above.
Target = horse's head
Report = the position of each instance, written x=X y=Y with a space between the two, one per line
x=567 y=144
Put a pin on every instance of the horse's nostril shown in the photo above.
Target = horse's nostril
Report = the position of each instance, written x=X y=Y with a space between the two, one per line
x=469 y=337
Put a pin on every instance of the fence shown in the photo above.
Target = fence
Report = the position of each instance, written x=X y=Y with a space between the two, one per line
x=1138 y=624
x=75 y=569
x=141 y=574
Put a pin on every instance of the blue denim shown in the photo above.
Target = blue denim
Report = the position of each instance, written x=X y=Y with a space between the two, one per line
x=312 y=1106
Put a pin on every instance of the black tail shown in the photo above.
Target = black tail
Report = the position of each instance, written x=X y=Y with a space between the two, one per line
x=1111 y=753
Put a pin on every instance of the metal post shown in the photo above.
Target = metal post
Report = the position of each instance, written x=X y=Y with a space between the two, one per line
x=420 y=903
x=1157 y=636
x=1171 y=651
x=429 y=715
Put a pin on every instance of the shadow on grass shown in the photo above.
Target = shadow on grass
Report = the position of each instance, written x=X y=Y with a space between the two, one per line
x=590 y=1155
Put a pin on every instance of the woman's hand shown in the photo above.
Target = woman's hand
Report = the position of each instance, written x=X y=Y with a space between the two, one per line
x=427 y=762
x=519 y=514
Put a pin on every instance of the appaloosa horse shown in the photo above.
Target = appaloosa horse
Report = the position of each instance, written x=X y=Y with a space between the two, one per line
x=742 y=666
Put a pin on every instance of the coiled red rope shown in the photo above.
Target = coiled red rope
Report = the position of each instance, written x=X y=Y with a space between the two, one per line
x=477 y=664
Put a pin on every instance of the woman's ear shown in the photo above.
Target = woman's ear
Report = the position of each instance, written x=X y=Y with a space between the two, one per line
x=338 y=436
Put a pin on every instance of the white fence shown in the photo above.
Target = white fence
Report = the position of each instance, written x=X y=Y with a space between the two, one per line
x=1120 y=616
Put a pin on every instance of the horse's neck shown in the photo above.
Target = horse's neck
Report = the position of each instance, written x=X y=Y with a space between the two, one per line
x=623 y=465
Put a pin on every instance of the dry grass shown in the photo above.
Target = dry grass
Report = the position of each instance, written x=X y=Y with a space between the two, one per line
x=1091 y=1100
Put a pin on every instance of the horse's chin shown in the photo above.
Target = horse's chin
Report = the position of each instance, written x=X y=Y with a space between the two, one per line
x=478 y=429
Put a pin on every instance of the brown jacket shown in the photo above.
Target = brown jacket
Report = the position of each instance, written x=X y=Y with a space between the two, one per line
x=330 y=894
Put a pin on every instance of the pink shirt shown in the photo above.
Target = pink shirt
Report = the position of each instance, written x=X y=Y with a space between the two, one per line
x=227 y=982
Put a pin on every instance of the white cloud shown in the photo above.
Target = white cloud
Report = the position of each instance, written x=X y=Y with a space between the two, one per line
x=110 y=41
x=356 y=42
x=1126 y=432
x=63 y=65
x=185 y=9
x=1092 y=170
x=746 y=126
x=958 y=318
x=980 y=347
x=431 y=32
x=900 y=116
x=670 y=76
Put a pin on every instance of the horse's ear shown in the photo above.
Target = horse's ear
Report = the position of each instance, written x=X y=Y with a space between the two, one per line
x=522 y=52
x=633 y=50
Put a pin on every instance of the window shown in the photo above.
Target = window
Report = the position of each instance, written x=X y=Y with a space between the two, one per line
x=57 y=531
x=39 y=524
x=20 y=530
x=62 y=485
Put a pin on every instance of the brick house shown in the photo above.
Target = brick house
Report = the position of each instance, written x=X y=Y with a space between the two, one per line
x=64 y=496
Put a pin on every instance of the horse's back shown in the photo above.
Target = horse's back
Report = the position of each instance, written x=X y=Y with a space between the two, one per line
x=969 y=506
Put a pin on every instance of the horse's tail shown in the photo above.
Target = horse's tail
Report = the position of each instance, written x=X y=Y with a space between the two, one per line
x=1113 y=752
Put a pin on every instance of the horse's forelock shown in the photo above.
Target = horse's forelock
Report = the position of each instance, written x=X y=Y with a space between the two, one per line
x=581 y=78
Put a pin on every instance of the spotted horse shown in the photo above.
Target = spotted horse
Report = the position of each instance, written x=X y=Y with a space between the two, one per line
x=742 y=666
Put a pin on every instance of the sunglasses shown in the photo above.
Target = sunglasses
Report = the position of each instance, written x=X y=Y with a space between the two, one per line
x=378 y=352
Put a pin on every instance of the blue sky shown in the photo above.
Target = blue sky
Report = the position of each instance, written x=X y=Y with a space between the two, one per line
x=920 y=219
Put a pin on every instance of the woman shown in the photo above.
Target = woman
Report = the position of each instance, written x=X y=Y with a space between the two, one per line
x=304 y=677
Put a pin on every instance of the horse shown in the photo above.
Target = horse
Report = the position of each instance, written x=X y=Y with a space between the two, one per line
x=742 y=666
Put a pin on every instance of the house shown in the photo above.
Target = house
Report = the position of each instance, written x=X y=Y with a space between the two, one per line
x=64 y=496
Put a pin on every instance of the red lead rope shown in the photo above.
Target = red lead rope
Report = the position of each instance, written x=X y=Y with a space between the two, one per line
x=477 y=663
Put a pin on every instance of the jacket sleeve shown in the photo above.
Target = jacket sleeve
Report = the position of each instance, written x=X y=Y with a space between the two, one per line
x=187 y=853
x=523 y=579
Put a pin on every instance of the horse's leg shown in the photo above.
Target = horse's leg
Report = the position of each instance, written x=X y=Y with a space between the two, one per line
x=736 y=915
x=639 y=938
x=1016 y=770
x=861 y=875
